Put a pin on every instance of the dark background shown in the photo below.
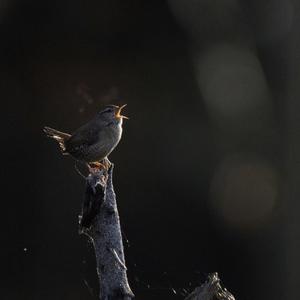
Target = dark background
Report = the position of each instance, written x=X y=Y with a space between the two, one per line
x=207 y=171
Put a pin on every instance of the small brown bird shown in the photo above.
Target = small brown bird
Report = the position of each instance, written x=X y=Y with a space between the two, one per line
x=95 y=140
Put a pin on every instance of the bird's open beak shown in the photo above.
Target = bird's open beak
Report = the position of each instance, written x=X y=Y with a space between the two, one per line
x=118 y=113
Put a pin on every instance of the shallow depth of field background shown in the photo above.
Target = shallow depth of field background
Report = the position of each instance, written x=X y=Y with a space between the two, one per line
x=207 y=172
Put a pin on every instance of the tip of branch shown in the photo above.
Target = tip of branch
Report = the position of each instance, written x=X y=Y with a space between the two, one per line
x=98 y=183
x=210 y=290
x=99 y=177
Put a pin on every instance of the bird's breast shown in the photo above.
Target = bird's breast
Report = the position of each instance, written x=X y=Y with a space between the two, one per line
x=108 y=140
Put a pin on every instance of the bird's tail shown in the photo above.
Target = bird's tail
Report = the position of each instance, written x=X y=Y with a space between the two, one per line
x=59 y=136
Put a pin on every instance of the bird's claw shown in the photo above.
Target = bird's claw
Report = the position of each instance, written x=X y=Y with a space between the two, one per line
x=100 y=169
x=107 y=164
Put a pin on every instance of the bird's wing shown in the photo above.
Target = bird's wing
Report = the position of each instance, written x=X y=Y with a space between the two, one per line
x=86 y=135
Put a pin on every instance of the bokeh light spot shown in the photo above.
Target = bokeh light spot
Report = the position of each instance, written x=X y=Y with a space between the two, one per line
x=244 y=192
x=231 y=81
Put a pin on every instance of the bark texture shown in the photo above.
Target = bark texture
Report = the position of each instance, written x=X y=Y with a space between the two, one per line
x=210 y=290
x=100 y=222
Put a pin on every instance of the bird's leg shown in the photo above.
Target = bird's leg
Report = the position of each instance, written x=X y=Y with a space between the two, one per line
x=106 y=163
x=103 y=166
x=95 y=166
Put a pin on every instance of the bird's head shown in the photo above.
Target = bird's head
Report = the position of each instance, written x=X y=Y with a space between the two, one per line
x=112 y=113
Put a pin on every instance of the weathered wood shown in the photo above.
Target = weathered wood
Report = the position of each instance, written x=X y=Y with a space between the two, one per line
x=100 y=222
x=210 y=290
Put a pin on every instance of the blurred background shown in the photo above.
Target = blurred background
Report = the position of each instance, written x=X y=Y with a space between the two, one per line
x=206 y=174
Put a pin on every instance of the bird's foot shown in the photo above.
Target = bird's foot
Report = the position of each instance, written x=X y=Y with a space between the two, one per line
x=99 y=170
x=106 y=163
x=94 y=167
